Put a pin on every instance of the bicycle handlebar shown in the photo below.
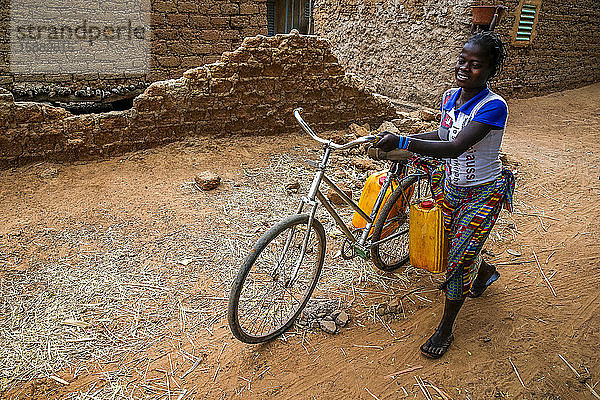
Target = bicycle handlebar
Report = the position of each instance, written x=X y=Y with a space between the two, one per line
x=329 y=143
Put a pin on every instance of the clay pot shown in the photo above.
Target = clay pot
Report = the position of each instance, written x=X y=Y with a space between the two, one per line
x=483 y=15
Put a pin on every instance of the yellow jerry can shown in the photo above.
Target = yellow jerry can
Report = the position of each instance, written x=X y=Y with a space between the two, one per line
x=428 y=240
x=369 y=196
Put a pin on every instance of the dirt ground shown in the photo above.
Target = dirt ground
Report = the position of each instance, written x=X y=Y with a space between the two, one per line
x=140 y=263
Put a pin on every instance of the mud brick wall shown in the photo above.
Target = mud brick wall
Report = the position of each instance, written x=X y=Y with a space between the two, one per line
x=403 y=49
x=407 y=49
x=250 y=91
x=187 y=34
x=184 y=34
x=564 y=54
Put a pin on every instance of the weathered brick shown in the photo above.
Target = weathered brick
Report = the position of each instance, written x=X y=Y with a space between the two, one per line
x=168 y=61
x=249 y=8
x=177 y=19
x=240 y=21
x=219 y=21
x=250 y=91
x=187 y=6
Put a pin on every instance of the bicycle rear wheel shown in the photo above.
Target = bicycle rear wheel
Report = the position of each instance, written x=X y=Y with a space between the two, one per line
x=391 y=228
x=265 y=299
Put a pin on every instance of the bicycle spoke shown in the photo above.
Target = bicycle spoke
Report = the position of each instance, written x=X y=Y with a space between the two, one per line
x=269 y=298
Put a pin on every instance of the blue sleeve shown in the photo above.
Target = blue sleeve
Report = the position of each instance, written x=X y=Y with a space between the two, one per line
x=493 y=113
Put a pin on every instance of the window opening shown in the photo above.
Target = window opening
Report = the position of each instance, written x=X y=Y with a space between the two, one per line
x=285 y=15
x=524 y=30
x=526 y=21
x=271 y=17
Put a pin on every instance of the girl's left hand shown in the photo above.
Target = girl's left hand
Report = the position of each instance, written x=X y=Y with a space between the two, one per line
x=388 y=141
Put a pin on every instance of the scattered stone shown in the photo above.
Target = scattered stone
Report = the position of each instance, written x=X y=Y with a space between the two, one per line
x=514 y=252
x=338 y=137
x=335 y=198
x=328 y=326
x=341 y=319
x=389 y=127
x=486 y=339
x=292 y=187
x=326 y=315
x=392 y=307
x=404 y=124
x=363 y=164
x=428 y=115
x=48 y=173
x=358 y=131
x=207 y=180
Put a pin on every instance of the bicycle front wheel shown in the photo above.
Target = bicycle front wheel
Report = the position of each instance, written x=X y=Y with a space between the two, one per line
x=391 y=228
x=276 y=280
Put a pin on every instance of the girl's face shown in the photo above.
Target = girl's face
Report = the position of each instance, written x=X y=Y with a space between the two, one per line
x=473 y=68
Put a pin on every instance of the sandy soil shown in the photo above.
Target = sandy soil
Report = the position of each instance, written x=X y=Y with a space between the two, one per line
x=517 y=329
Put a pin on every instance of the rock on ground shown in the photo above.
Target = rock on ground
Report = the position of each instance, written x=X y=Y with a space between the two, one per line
x=328 y=326
x=335 y=198
x=207 y=180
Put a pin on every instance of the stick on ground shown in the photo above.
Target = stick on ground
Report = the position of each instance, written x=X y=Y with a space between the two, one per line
x=578 y=375
x=516 y=372
x=544 y=275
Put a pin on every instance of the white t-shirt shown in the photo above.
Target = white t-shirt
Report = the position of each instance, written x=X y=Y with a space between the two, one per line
x=481 y=163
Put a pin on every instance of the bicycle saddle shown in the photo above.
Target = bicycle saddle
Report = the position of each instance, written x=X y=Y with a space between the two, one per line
x=394 y=155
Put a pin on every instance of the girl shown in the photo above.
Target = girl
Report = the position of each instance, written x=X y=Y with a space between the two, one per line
x=471 y=186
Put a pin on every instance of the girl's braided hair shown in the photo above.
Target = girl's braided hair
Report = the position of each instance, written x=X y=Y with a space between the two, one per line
x=493 y=43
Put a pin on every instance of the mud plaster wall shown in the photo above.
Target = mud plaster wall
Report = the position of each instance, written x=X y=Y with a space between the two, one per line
x=251 y=91
x=405 y=49
x=184 y=34
x=564 y=54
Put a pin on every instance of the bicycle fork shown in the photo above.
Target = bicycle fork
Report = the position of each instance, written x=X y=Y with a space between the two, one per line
x=310 y=199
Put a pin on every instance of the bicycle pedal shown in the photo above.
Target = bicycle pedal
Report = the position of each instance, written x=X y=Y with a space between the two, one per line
x=364 y=254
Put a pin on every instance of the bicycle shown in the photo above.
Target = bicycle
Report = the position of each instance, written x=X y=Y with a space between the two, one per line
x=281 y=272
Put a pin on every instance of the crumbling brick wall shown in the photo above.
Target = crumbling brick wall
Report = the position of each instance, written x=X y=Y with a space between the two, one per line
x=184 y=34
x=251 y=91
x=402 y=49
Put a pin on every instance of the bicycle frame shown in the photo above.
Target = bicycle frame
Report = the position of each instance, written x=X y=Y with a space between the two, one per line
x=315 y=196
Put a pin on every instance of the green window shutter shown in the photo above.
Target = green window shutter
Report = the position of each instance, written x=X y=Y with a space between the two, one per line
x=526 y=21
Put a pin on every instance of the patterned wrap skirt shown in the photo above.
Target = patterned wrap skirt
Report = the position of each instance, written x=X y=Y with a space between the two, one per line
x=469 y=215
